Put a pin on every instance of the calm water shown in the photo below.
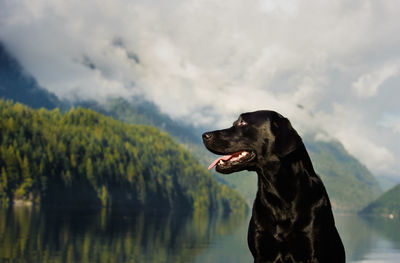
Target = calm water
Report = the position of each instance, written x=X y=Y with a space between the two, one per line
x=33 y=235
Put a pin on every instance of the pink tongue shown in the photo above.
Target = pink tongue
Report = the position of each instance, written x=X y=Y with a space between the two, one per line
x=223 y=158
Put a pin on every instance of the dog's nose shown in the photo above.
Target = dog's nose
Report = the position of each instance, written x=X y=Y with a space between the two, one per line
x=207 y=136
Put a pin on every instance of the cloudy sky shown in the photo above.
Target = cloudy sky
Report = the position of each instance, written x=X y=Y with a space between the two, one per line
x=330 y=66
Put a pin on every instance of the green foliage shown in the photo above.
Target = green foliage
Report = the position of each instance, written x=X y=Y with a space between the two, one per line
x=84 y=158
x=3 y=187
x=387 y=204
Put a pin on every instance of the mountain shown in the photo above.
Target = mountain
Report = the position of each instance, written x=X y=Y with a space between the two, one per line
x=140 y=111
x=19 y=86
x=349 y=183
x=387 y=204
x=387 y=182
x=82 y=158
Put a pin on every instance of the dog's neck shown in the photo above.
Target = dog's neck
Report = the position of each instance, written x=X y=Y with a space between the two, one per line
x=279 y=177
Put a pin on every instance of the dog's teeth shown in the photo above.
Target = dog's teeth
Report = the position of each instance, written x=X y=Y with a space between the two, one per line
x=221 y=162
x=243 y=154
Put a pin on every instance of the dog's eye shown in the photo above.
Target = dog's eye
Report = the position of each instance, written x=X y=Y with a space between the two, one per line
x=241 y=123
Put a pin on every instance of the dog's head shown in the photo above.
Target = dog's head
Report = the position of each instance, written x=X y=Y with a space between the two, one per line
x=254 y=139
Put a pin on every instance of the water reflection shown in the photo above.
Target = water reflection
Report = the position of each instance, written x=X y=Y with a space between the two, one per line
x=33 y=235
x=366 y=239
x=386 y=243
x=387 y=228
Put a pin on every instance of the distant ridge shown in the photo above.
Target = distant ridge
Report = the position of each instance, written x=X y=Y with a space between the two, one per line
x=387 y=205
x=350 y=185
x=19 y=86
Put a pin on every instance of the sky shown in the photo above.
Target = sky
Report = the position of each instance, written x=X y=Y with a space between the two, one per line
x=331 y=67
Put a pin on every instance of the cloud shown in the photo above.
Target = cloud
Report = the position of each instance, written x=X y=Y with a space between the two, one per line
x=346 y=124
x=368 y=84
x=207 y=61
x=391 y=121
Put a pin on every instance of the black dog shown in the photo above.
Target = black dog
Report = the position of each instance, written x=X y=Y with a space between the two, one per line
x=292 y=218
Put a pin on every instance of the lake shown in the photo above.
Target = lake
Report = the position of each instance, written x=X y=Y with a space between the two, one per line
x=30 y=234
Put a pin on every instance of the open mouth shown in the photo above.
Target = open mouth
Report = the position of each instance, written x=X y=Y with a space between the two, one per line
x=230 y=160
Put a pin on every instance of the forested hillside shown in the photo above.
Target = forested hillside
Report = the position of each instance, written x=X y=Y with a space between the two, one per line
x=137 y=110
x=83 y=158
x=387 y=204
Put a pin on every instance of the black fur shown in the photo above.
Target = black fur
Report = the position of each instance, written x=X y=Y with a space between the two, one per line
x=292 y=218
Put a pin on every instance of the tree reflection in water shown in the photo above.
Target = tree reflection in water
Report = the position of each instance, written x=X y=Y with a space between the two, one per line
x=57 y=235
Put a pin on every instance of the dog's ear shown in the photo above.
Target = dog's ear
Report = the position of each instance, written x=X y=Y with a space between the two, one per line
x=286 y=138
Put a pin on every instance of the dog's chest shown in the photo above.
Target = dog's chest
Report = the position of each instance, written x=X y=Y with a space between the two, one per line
x=278 y=226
